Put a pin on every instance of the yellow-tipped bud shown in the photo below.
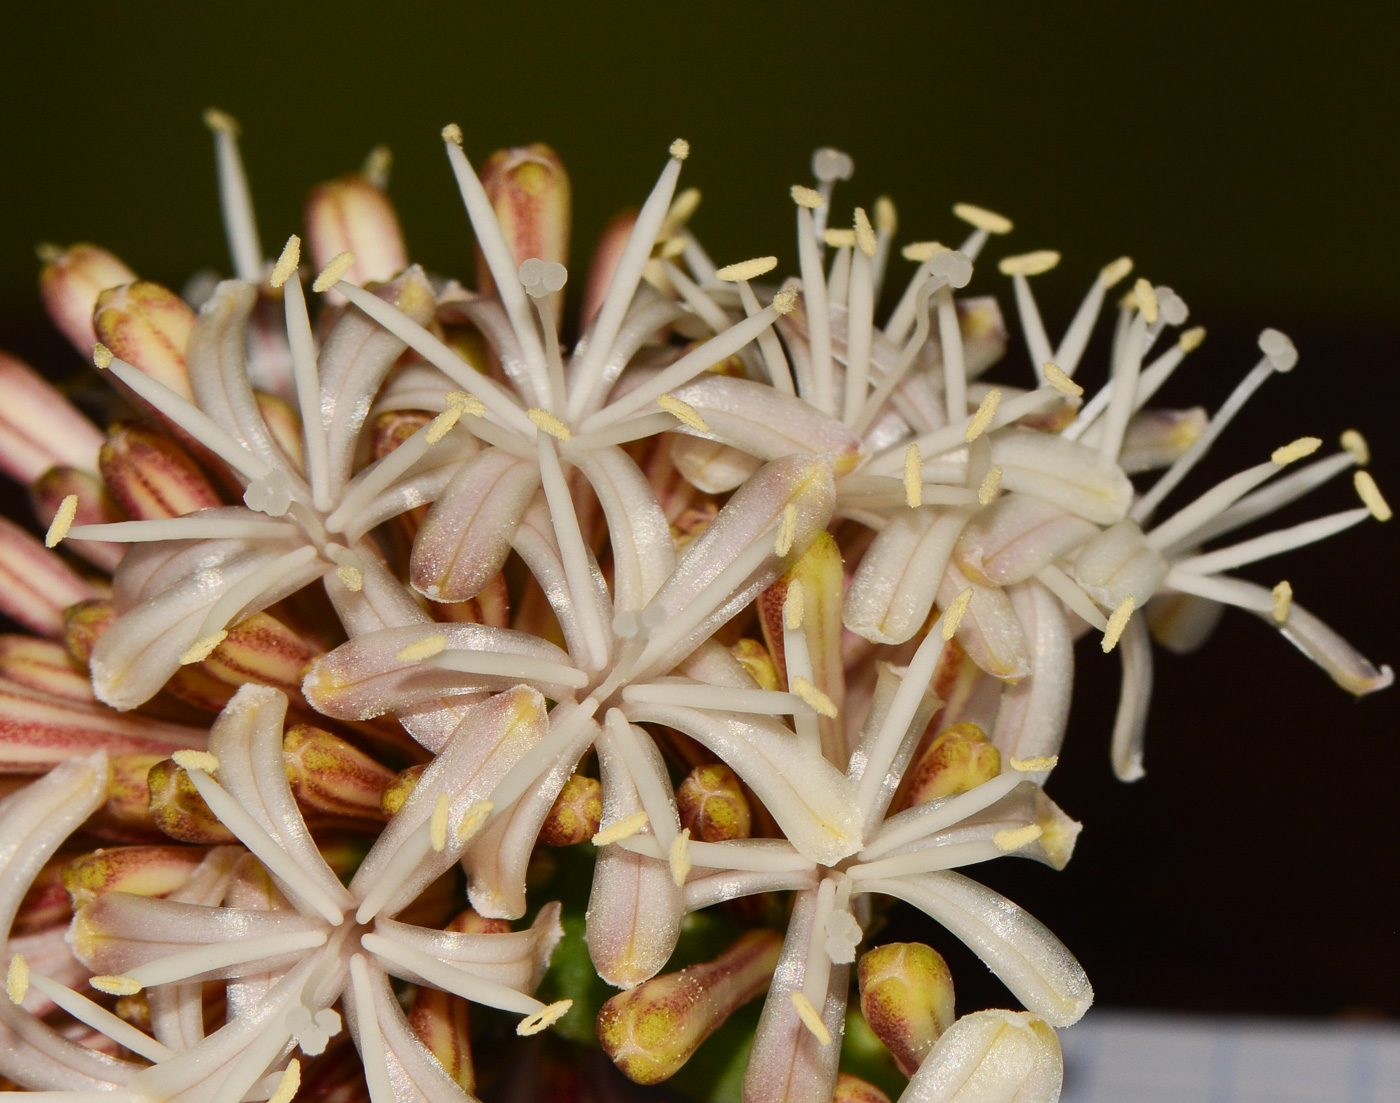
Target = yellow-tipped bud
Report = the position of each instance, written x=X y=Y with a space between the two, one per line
x=531 y=195
x=178 y=809
x=400 y=788
x=70 y=283
x=84 y=624
x=141 y=870
x=329 y=776
x=577 y=812
x=352 y=215
x=334 y=271
x=959 y=759
x=148 y=326
x=151 y=475
x=712 y=804
x=758 y=661
x=906 y=995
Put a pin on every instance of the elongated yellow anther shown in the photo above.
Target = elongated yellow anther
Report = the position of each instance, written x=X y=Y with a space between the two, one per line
x=221 y=121
x=787 y=531
x=437 y=825
x=815 y=698
x=470 y=404
x=375 y=170
x=1144 y=297
x=838 y=238
x=1291 y=453
x=682 y=207
x=288 y=1085
x=287 y=262
x=1035 y=765
x=680 y=149
x=680 y=857
x=352 y=578
x=1116 y=623
x=548 y=423
x=991 y=484
x=683 y=412
x=473 y=820
x=886 y=217
x=921 y=251
x=1110 y=274
x=101 y=356
x=452 y=133
x=542 y=1020
x=201 y=649
x=115 y=985
x=17 y=979
x=624 y=828
x=953 y=617
x=441 y=425
x=1055 y=376
x=332 y=273
x=865 y=233
x=62 y=521
x=913 y=477
x=983 y=417
x=1283 y=601
x=746 y=269
x=982 y=218
x=1371 y=496
x=794 y=606
x=810 y=1019
x=804 y=196
x=1356 y=444
x=422 y=649
x=1192 y=338
x=196 y=760
x=1029 y=264
x=785 y=301
x=1013 y=838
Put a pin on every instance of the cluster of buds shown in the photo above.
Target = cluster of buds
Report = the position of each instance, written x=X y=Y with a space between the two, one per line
x=384 y=654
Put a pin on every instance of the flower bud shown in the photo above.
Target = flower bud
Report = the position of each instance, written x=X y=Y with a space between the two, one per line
x=261 y=649
x=95 y=507
x=399 y=790
x=43 y=665
x=991 y=1055
x=70 y=282
x=39 y=428
x=353 y=215
x=852 y=1089
x=758 y=661
x=178 y=809
x=712 y=804
x=83 y=625
x=961 y=758
x=577 y=812
x=45 y=904
x=36 y=585
x=529 y=190
x=606 y=256
x=284 y=423
x=129 y=792
x=906 y=995
x=151 y=475
x=148 y=326
x=143 y=870
x=655 y=1028
x=330 y=776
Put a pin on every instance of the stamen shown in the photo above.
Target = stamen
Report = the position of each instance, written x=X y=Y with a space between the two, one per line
x=1110 y=274
x=684 y=412
x=787 y=531
x=452 y=133
x=1060 y=381
x=746 y=269
x=954 y=615
x=471 y=405
x=473 y=820
x=376 y=167
x=351 y=577
x=201 y=649
x=17 y=979
x=1116 y=623
x=806 y=197
x=542 y=1020
x=287 y=263
x=983 y=417
x=913 y=477
x=815 y=698
x=100 y=1019
x=810 y=1019
x=1192 y=338
x=1272 y=543
x=101 y=356
x=441 y=425
x=679 y=856
x=679 y=149
x=578 y=575
x=332 y=273
x=1356 y=444
x=1290 y=453
x=540 y=278
x=235 y=199
x=990 y=485
x=622 y=829
x=116 y=985
x=864 y=232
x=548 y=423
x=839 y=239
x=1371 y=496
x=1283 y=600
x=794 y=606
x=437 y=825
x=196 y=760
x=1029 y=264
x=982 y=219
x=425 y=648
x=305 y=373
x=62 y=521
x=1013 y=838
x=1144 y=297
x=923 y=251
x=288 y=1085
x=1035 y=765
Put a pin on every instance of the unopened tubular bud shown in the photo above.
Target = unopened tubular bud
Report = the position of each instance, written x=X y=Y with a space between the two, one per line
x=39 y=428
x=992 y=1055
x=43 y=665
x=151 y=475
x=400 y=789
x=148 y=326
x=141 y=870
x=260 y=648
x=529 y=190
x=577 y=812
x=852 y=1089
x=179 y=811
x=758 y=661
x=36 y=585
x=129 y=792
x=83 y=625
x=961 y=758
x=93 y=507
x=653 y=1029
x=352 y=215
x=712 y=804
x=606 y=255
x=906 y=995
x=330 y=776
x=440 y=1021
x=70 y=282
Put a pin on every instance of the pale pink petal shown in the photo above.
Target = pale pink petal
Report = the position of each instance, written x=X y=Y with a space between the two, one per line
x=1016 y=536
x=514 y=959
x=1034 y=712
x=895 y=585
x=711 y=466
x=39 y=428
x=990 y=631
x=36 y=585
x=644 y=552
x=1118 y=564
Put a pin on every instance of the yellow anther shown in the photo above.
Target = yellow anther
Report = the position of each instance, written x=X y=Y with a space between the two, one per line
x=679 y=214
x=804 y=196
x=287 y=262
x=1283 y=601
x=1029 y=264
x=1290 y=453
x=794 y=606
x=196 y=760
x=1055 y=376
x=886 y=219
x=680 y=857
x=983 y=417
x=1013 y=838
x=333 y=272
x=473 y=820
x=422 y=649
x=913 y=477
x=991 y=483
x=220 y=121
x=17 y=979
x=471 y=405
x=548 y=423
x=62 y=521
x=352 y=578
x=1116 y=623
x=923 y=250
x=624 y=828
x=288 y=1085
x=201 y=649
x=1110 y=274
x=1192 y=338
x=1356 y=444
x=115 y=985
x=437 y=825
x=672 y=247
x=1144 y=297
x=680 y=149
x=952 y=618
x=1035 y=765
x=540 y=1020
x=452 y=133
x=746 y=269
x=101 y=356
x=1371 y=496
x=441 y=425
x=375 y=170
x=683 y=412
x=982 y=218
x=865 y=233
x=785 y=301
x=810 y=1019
x=814 y=698
x=787 y=531
x=838 y=238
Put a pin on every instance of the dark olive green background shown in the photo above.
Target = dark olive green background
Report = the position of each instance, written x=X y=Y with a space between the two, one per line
x=1243 y=153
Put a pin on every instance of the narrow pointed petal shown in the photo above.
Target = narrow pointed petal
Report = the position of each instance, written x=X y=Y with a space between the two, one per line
x=36 y=585
x=149 y=327
x=991 y=1057
x=39 y=428
x=1118 y=564
x=898 y=578
x=1344 y=664
x=69 y=284
x=535 y=543
x=644 y=553
x=1063 y=473
x=514 y=959
x=1130 y=723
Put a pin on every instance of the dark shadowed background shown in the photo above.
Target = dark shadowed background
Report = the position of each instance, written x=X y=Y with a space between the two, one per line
x=1243 y=154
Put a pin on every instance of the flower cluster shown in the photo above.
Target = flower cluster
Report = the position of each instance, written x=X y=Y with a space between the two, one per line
x=758 y=613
